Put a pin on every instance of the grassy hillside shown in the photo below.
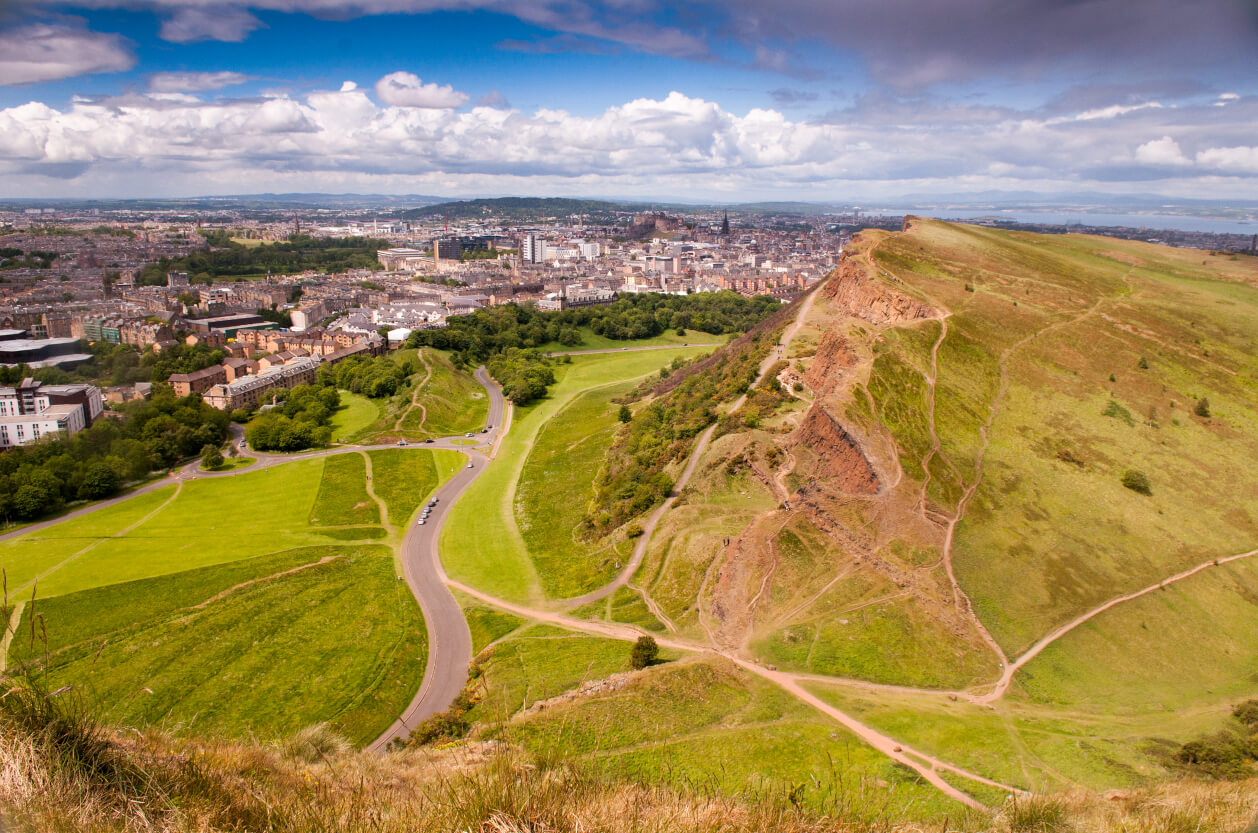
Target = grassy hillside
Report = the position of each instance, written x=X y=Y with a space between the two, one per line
x=250 y=605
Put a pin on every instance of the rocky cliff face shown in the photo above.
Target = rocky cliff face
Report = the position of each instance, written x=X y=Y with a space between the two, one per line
x=869 y=300
x=834 y=355
x=840 y=460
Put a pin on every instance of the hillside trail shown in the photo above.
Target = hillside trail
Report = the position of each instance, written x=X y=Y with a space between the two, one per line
x=927 y=766
x=1002 y=685
x=652 y=521
x=414 y=394
x=415 y=403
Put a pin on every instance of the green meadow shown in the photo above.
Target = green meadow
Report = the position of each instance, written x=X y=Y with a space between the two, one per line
x=250 y=605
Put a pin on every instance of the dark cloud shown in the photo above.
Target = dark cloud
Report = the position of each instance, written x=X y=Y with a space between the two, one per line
x=912 y=44
x=786 y=96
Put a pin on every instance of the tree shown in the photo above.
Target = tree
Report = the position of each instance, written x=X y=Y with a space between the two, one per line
x=1203 y=408
x=645 y=652
x=211 y=457
x=624 y=414
x=1143 y=364
x=99 y=481
x=1137 y=481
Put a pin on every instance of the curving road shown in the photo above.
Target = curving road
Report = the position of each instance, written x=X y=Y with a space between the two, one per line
x=449 y=640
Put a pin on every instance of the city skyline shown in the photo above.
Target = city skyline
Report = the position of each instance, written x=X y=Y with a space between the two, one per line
x=720 y=102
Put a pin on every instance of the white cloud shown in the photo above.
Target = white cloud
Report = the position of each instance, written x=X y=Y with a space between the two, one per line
x=676 y=145
x=176 y=82
x=403 y=89
x=221 y=23
x=1234 y=160
x=1164 y=151
x=48 y=52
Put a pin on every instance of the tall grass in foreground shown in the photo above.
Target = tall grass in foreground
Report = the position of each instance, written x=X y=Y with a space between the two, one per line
x=62 y=771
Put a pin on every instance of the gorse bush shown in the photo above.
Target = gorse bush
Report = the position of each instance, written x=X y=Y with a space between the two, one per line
x=1137 y=481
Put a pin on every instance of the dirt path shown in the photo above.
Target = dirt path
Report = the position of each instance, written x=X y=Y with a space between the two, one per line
x=218 y=597
x=925 y=765
x=415 y=403
x=371 y=492
x=1002 y=685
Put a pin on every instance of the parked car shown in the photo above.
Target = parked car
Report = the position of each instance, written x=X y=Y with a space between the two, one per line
x=401 y=442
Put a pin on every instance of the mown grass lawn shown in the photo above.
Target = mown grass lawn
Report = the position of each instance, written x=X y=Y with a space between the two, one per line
x=339 y=640
x=592 y=341
x=343 y=498
x=405 y=479
x=154 y=610
x=356 y=414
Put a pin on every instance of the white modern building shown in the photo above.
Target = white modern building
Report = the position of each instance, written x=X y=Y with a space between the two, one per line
x=33 y=410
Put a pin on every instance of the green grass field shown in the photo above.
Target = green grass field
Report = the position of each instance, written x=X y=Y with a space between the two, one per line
x=405 y=480
x=260 y=647
x=251 y=604
x=565 y=459
x=356 y=414
x=481 y=544
x=592 y=341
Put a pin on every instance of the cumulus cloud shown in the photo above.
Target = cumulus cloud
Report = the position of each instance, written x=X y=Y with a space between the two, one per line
x=1242 y=160
x=404 y=89
x=221 y=23
x=192 y=82
x=1164 y=151
x=678 y=144
x=51 y=51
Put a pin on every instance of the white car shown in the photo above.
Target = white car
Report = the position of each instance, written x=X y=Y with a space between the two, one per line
x=469 y=465
x=421 y=522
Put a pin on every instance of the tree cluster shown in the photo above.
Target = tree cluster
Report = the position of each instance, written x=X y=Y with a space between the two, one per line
x=1229 y=753
x=473 y=338
x=525 y=375
x=301 y=421
x=376 y=378
x=229 y=259
x=633 y=478
x=40 y=478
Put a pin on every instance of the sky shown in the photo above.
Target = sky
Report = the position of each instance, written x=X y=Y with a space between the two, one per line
x=828 y=100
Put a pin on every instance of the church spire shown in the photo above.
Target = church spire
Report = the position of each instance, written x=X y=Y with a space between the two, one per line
x=725 y=224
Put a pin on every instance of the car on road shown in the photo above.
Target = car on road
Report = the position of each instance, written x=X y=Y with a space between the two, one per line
x=469 y=434
x=428 y=440
x=433 y=502
x=401 y=442
x=469 y=465
x=421 y=522
x=484 y=430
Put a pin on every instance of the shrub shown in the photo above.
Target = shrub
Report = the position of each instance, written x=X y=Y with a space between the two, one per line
x=211 y=457
x=624 y=414
x=645 y=652
x=1137 y=481
x=1143 y=364
x=1203 y=408
x=315 y=742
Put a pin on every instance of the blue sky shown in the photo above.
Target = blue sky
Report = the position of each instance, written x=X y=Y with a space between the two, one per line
x=795 y=99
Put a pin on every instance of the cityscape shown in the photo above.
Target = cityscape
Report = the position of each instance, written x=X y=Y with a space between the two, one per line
x=556 y=417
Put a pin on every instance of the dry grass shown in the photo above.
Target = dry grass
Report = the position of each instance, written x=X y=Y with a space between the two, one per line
x=60 y=771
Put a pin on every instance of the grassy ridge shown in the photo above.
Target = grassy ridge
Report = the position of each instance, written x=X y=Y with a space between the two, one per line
x=343 y=498
x=405 y=480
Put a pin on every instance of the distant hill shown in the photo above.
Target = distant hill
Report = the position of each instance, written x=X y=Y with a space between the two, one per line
x=524 y=209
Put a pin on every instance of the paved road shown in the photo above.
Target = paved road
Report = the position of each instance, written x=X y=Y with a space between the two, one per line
x=449 y=640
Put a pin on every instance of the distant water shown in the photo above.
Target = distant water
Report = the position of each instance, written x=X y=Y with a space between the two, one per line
x=1149 y=221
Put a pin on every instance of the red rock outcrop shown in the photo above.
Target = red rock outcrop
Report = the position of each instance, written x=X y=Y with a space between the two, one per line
x=869 y=300
x=834 y=355
x=840 y=460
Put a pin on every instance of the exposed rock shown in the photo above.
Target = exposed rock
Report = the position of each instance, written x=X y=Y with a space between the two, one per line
x=839 y=458
x=589 y=688
x=834 y=355
x=859 y=296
